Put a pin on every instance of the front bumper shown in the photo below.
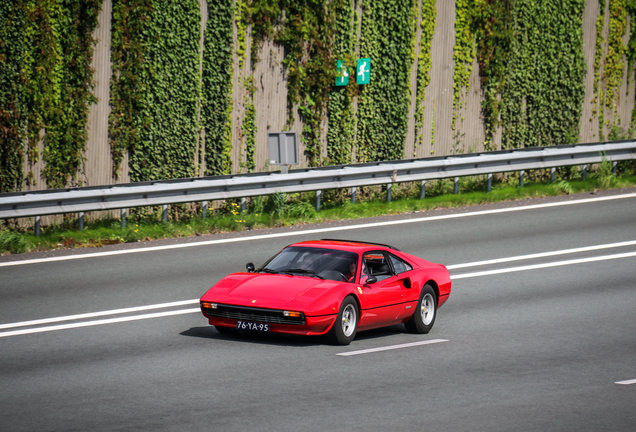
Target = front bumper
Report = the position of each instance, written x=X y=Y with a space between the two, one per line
x=309 y=326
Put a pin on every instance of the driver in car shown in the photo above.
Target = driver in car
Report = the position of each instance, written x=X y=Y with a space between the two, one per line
x=352 y=271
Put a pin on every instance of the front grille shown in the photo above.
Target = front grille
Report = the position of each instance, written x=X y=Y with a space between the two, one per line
x=242 y=313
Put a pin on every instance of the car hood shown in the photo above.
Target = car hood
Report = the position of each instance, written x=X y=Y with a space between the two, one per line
x=268 y=290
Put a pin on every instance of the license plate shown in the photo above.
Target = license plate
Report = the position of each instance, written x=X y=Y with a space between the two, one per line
x=246 y=325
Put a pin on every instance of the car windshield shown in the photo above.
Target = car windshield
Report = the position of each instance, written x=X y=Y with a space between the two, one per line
x=314 y=262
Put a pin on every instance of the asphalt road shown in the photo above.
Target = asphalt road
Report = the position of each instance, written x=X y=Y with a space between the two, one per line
x=537 y=348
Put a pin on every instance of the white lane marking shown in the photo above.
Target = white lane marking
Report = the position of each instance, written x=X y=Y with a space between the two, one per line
x=627 y=382
x=96 y=314
x=98 y=322
x=542 y=255
x=546 y=265
x=463 y=276
x=315 y=231
x=392 y=347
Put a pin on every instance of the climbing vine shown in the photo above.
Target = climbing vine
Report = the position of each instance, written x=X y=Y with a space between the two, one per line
x=598 y=57
x=544 y=90
x=127 y=84
x=463 y=57
x=154 y=89
x=13 y=110
x=241 y=17
x=308 y=39
x=613 y=67
x=341 y=132
x=46 y=51
x=631 y=55
x=428 y=24
x=217 y=88
x=42 y=73
x=383 y=106
x=532 y=69
x=493 y=28
x=607 y=83
x=248 y=126
x=249 y=131
x=66 y=134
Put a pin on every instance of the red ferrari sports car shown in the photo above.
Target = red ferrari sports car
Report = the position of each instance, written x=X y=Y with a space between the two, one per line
x=330 y=286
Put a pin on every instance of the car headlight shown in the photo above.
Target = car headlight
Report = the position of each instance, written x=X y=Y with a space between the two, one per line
x=208 y=305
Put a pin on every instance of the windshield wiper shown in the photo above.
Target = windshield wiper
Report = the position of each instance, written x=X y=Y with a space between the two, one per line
x=267 y=270
x=304 y=271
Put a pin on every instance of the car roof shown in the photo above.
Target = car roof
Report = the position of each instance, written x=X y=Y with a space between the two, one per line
x=348 y=245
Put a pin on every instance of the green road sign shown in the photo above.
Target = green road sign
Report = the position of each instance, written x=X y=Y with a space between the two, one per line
x=363 y=71
x=342 y=79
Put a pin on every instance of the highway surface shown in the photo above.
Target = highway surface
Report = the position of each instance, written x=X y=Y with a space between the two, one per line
x=539 y=333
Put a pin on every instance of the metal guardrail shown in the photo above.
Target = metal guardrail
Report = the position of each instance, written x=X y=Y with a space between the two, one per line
x=204 y=189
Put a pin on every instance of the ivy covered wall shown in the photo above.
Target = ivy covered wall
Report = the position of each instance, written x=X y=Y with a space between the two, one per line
x=45 y=89
x=155 y=89
x=196 y=85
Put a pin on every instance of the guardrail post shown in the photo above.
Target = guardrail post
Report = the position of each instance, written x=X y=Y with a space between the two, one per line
x=204 y=209
x=389 y=188
x=353 y=195
x=243 y=202
x=489 y=184
x=122 y=215
x=38 y=220
x=318 y=194
x=80 y=220
x=552 y=175
x=521 y=175
x=584 y=172
x=423 y=189
x=614 y=167
x=456 y=186
x=164 y=213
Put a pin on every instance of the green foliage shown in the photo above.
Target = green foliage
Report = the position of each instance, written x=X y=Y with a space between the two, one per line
x=543 y=92
x=598 y=57
x=531 y=66
x=46 y=50
x=342 y=120
x=493 y=26
x=249 y=133
x=128 y=82
x=428 y=24
x=13 y=109
x=604 y=175
x=307 y=37
x=263 y=15
x=42 y=73
x=607 y=87
x=618 y=133
x=66 y=132
x=631 y=54
x=240 y=18
x=562 y=186
x=216 y=107
x=12 y=241
x=387 y=27
x=156 y=56
x=463 y=56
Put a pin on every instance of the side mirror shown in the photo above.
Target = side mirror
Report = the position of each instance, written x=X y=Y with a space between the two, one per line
x=371 y=280
x=250 y=267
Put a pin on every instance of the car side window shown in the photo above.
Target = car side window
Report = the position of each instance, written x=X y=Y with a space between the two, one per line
x=375 y=264
x=399 y=265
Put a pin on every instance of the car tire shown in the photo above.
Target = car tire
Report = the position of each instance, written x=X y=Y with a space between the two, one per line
x=225 y=330
x=346 y=326
x=425 y=312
